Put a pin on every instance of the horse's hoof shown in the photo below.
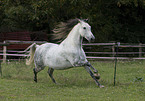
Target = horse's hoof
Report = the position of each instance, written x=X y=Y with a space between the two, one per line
x=101 y=86
x=97 y=76
x=35 y=79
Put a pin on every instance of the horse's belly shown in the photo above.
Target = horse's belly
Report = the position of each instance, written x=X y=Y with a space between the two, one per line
x=59 y=64
x=62 y=65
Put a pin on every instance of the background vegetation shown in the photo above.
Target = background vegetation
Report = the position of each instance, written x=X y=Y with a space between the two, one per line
x=75 y=84
x=111 y=20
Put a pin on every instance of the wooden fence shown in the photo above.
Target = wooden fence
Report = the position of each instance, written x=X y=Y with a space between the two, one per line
x=138 y=51
x=91 y=49
x=5 y=52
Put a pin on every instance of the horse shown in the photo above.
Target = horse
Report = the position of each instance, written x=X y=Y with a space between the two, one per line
x=67 y=54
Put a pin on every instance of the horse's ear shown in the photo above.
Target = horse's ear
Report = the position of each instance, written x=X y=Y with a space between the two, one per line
x=86 y=20
x=80 y=21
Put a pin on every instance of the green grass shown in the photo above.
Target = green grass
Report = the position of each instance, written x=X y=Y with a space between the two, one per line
x=75 y=84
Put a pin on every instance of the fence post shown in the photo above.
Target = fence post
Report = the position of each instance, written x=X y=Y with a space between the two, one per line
x=113 y=51
x=116 y=56
x=4 y=53
x=140 y=50
x=0 y=68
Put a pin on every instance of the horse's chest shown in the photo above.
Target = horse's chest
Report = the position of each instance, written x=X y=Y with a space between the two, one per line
x=78 y=54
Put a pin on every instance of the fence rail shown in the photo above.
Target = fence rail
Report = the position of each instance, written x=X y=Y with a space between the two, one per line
x=112 y=46
x=23 y=42
x=5 y=52
x=91 y=46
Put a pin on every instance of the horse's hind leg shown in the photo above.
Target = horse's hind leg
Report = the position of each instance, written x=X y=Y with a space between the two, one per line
x=35 y=75
x=50 y=72
x=35 y=71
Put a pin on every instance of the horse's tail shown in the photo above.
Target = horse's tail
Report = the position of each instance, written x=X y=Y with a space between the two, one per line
x=32 y=51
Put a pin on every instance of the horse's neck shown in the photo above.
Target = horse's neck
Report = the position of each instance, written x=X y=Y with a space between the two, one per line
x=74 y=39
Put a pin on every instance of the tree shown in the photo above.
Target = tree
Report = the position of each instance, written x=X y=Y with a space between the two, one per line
x=111 y=20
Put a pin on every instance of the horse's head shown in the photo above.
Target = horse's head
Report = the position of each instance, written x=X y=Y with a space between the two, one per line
x=85 y=31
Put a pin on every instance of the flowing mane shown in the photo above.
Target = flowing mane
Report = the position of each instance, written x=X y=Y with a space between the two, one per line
x=61 y=31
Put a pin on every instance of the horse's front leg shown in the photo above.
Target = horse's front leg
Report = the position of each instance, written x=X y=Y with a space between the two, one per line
x=93 y=76
x=94 y=70
x=50 y=72
x=96 y=74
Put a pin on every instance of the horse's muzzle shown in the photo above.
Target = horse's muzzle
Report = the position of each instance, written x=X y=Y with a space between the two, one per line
x=92 y=39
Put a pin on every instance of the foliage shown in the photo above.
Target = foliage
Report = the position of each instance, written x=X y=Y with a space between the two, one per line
x=111 y=20
x=74 y=84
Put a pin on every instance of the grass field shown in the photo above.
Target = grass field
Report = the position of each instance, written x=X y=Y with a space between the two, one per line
x=75 y=84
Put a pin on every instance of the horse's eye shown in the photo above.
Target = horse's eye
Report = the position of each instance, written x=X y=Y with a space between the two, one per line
x=84 y=27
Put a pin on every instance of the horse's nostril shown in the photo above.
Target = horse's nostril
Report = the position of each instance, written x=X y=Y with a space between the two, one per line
x=92 y=39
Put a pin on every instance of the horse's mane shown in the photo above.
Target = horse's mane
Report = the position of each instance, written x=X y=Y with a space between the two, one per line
x=61 y=31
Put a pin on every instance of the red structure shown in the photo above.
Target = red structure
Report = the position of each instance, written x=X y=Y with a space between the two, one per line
x=25 y=36
x=22 y=36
